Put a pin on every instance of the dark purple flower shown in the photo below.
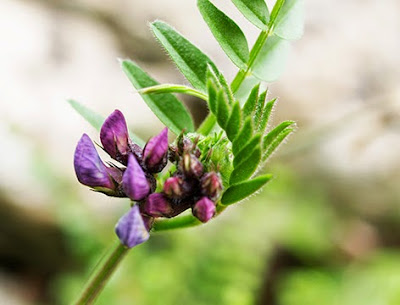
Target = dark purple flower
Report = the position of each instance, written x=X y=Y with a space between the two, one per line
x=211 y=185
x=89 y=168
x=191 y=166
x=131 y=229
x=134 y=181
x=157 y=205
x=173 y=187
x=204 y=209
x=155 y=152
x=115 y=137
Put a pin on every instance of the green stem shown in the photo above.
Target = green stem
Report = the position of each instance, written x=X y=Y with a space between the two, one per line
x=101 y=274
x=176 y=223
x=207 y=125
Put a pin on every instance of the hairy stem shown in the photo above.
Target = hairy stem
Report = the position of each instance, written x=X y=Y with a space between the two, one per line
x=101 y=274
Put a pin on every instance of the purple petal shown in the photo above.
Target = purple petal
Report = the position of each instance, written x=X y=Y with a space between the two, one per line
x=204 y=209
x=156 y=151
x=211 y=185
x=131 y=229
x=157 y=205
x=173 y=187
x=89 y=168
x=114 y=136
x=134 y=180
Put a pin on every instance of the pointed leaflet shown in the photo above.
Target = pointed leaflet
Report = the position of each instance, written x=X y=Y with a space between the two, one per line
x=191 y=61
x=166 y=107
x=256 y=11
x=250 y=105
x=289 y=22
x=276 y=142
x=226 y=32
x=270 y=137
x=223 y=109
x=271 y=61
x=96 y=120
x=234 y=122
x=247 y=167
x=244 y=136
x=259 y=108
x=247 y=150
x=265 y=115
x=242 y=190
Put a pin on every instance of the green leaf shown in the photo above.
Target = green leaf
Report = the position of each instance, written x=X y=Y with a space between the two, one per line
x=234 y=122
x=274 y=133
x=247 y=167
x=172 y=88
x=166 y=107
x=247 y=150
x=271 y=61
x=243 y=190
x=212 y=96
x=276 y=142
x=226 y=32
x=246 y=86
x=250 y=105
x=289 y=23
x=223 y=109
x=190 y=60
x=260 y=108
x=94 y=119
x=244 y=136
x=265 y=115
x=256 y=11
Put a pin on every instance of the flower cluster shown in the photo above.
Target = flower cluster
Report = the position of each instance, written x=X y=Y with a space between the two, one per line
x=135 y=177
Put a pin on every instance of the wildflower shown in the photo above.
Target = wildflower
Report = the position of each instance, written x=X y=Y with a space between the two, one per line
x=157 y=205
x=155 y=153
x=134 y=180
x=91 y=171
x=204 y=209
x=173 y=187
x=115 y=137
x=131 y=229
x=211 y=185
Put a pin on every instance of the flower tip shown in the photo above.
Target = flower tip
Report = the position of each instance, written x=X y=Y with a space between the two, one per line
x=134 y=180
x=114 y=136
x=155 y=152
x=131 y=229
x=204 y=209
x=157 y=205
x=89 y=168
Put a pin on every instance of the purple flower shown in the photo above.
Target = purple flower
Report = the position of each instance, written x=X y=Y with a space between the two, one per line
x=211 y=185
x=155 y=152
x=131 y=229
x=157 y=205
x=204 y=209
x=134 y=180
x=173 y=187
x=115 y=137
x=89 y=168
x=191 y=166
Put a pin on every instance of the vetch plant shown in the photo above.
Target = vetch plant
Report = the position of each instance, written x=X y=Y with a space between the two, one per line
x=205 y=170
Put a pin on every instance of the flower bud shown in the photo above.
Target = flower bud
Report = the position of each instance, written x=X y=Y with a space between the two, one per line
x=157 y=205
x=134 y=180
x=131 y=229
x=115 y=137
x=173 y=187
x=204 y=209
x=211 y=185
x=89 y=168
x=155 y=153
x=191 y=166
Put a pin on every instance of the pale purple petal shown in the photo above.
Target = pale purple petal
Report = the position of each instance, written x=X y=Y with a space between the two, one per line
x=134 y=181
x=131 y=229
x=211 y=185
x=89 y=168
x=204 y=209
x=156 y=151
x=114 y=136
x=173 y=187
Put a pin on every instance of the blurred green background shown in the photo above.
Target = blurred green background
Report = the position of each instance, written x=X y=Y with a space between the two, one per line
x=325 y=231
